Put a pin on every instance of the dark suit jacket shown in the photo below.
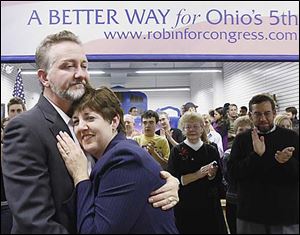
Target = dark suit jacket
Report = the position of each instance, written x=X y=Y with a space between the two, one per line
x=38 y=188
x=115 y=199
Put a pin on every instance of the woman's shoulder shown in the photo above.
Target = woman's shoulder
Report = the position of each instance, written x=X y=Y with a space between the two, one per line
x=129 y=152
x=211 y=146
x=128 y=146
x=125 y=152
x=131 y=148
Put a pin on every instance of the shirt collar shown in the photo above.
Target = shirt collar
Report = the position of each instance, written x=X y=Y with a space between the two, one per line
x=64 y=116
x=268 y=132
x=196 y=146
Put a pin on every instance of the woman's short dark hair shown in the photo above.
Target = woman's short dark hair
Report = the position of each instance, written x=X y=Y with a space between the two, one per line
x=103 y=101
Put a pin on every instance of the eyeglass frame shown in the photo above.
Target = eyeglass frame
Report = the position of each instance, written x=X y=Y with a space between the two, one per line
x=195 y=127
x=266 y=114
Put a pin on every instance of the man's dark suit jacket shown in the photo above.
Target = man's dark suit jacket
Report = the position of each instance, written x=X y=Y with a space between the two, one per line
x=38 y=188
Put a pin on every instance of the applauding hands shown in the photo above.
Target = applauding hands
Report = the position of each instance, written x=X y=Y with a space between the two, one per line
x=210 y=170
x=259 y=147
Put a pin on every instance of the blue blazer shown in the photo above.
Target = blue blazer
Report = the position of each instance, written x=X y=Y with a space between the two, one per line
x=39 y=190
x=115 y=199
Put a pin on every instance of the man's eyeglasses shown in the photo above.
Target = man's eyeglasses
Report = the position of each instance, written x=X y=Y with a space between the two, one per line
x=259 y=115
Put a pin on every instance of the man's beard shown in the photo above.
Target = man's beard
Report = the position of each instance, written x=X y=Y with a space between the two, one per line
x=264 y=129
x=68 y=94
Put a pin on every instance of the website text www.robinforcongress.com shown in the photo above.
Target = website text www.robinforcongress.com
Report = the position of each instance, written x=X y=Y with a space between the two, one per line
x=186 y=34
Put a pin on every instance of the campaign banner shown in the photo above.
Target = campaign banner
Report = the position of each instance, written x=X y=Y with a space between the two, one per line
x=156 y=30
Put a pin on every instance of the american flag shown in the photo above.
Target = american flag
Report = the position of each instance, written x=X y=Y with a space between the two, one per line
x=18 y=87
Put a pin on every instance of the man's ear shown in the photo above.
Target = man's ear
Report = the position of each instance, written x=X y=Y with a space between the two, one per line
x=42 y=75
x=250 y=116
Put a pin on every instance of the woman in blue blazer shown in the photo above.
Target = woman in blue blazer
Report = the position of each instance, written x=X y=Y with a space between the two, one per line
x=114 y=198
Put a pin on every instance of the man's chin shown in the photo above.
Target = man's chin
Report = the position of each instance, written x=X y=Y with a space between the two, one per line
x=264 y=129
x=76 y=95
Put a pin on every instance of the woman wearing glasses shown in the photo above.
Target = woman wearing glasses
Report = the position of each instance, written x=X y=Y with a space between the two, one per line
x=195 y=163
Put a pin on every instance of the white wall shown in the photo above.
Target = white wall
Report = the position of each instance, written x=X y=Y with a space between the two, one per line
x=242 y=80
x=207 y=91
x=162 y=99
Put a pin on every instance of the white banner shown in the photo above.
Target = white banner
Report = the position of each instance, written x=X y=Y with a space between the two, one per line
x=179 y=30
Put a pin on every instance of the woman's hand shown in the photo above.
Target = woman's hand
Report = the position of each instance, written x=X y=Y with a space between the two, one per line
x=73 y=156
x=210 y=170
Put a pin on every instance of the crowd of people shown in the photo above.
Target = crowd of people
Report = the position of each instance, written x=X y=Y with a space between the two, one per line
x=75 y=163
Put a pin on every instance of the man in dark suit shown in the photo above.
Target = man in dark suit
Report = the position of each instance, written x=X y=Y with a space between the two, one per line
x=39 y=190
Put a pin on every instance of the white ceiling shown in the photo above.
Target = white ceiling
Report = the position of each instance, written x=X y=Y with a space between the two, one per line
x=139 y=65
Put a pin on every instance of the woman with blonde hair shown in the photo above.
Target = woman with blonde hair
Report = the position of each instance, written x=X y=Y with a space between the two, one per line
x=195 y=163
x=283 y=120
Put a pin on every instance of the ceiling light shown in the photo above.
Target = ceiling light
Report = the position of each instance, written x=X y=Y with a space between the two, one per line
x=152 y=89
x=28 y=72
x=179 y=71
x=96 y=72
x=157 y=71
x=34 y=72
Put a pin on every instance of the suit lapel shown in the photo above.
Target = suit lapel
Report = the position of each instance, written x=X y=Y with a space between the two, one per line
x=55 y=121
